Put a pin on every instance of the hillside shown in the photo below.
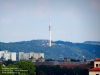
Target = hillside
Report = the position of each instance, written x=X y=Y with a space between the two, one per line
x=92 y=42
x=59 y=49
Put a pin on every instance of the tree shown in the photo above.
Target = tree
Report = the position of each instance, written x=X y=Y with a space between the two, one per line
x=80 y=71
x=8 y=62
x=0 y=70
x=42 y=73
x=6 y=70
x=26 y=66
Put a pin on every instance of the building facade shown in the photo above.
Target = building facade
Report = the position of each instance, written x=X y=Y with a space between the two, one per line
x=27 y=56
x=67 y=60
x=8 y=55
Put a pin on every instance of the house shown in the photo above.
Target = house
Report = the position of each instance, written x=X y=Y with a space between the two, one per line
x=96 y=69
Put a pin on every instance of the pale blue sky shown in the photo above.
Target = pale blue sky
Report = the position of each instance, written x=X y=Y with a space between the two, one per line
x=71 y=20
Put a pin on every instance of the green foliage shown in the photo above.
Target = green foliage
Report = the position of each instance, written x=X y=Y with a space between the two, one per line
x=8 y=62
x=80 y=71
x=42 y=73
x=22 y=74
x=28 y=66
x=5 y=71
x=0 y=70
x=20 y=68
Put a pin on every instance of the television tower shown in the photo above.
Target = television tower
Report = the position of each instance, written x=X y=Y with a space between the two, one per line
x=49 y=30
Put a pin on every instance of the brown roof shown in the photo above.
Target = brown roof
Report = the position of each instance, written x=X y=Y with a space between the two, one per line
x=73 y=66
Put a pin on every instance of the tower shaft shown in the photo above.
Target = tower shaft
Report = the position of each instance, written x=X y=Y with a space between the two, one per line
x=49 y=36
x=50 y=32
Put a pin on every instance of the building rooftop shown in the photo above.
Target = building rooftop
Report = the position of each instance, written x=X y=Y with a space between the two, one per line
x=95 y=69
x=97 y=59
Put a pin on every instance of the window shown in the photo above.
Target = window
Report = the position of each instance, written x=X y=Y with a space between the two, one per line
x=97 y=74
x=96 y=65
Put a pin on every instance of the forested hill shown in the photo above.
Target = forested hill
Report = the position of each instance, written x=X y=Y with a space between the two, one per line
x=59 y=49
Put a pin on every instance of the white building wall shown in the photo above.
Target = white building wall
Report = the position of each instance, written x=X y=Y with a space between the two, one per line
x=13 y=56
x=10 y=55
x=36 y=55
x=6 y=55
x=97 y=62
x=93 y=73
x=26 y=56
x=31 y=54
x=1 y=53
x=21 y=55
x=42 y=55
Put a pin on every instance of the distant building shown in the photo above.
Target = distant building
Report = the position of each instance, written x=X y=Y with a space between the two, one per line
x=8 y=55
x=38 y=55
x=67 y=60
x=27 y=56
x=21 y=57
x=41 y=60
x=96 y=69
x=32 y=59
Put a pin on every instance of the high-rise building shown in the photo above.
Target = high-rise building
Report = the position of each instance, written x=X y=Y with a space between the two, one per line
x=26 y=56
x=8 y=55
x=21 y=55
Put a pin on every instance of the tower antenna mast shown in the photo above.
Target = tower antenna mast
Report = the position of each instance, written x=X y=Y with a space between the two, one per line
x=49 y=29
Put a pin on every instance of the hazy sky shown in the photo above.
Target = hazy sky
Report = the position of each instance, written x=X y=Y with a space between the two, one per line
x=71 y=20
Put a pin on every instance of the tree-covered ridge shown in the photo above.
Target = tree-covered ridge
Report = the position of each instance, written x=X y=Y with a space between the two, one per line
x=59 y=49
x=92 y=42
